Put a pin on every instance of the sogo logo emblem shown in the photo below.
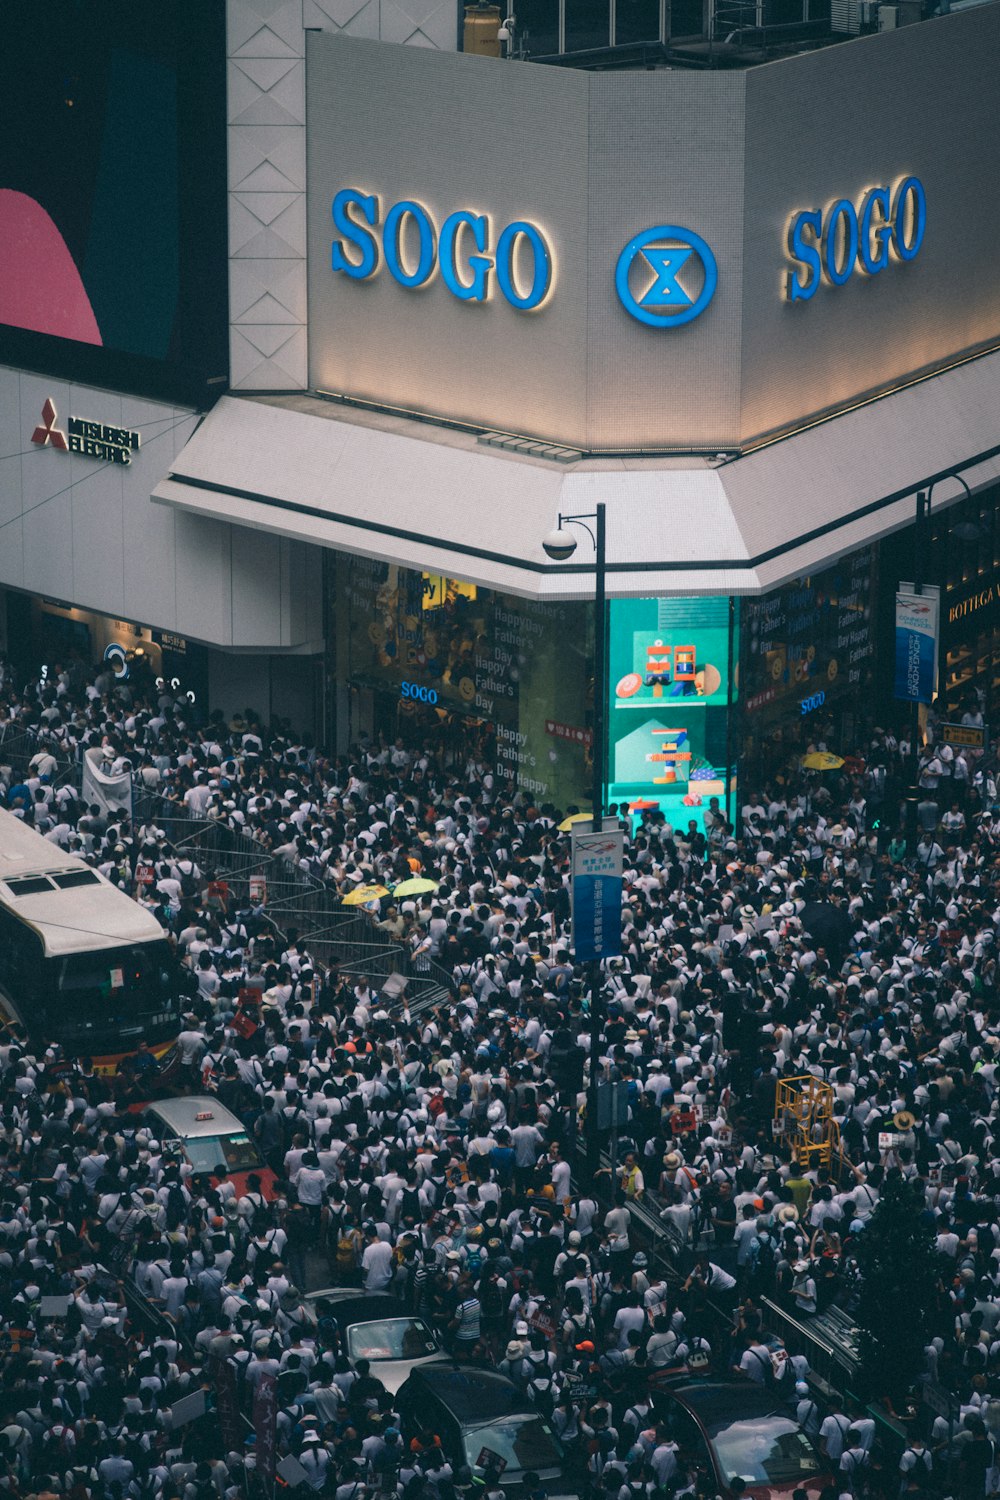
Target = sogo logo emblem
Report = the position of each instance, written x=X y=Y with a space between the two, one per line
x=666 y=250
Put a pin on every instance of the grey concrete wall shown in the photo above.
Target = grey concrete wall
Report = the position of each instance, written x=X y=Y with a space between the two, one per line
x=452 y=132
x=665 y=148
x=594 y=159
x=922 y=100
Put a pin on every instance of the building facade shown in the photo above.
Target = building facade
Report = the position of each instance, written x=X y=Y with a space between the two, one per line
x=467 y=295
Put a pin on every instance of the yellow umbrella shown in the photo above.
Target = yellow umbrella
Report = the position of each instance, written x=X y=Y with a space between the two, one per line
x=416 y=885
x=567 y=823
x=822 y=760
x=362 y=894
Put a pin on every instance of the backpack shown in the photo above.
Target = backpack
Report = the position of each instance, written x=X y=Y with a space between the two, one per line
x=347 y=1249
x=409 y=1205
x=542 y=1393
x=490 y=1300
x=57 y=1445
x=190 y=885
x=176 y=1207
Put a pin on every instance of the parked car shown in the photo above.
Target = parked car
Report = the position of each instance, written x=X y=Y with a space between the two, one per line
x=374 y=1326
x=484 y=1423
x=211 y=1138
x=740 y=1431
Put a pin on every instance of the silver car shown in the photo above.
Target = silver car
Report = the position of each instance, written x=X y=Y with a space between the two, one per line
x=374 y=1326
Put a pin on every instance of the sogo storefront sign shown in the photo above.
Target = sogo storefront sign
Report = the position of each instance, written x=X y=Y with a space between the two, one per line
x=471 y=259
x=828 y=247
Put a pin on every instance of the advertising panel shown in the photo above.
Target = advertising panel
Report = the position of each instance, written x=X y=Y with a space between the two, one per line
x=917 y=625
x=598 y=867
x=112 y=194
x=667 y=714
x=807 y=643
x=447 y=646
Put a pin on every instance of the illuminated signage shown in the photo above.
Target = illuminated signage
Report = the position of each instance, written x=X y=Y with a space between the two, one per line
x=668 y=697
x=979 y=600
x=418 y=691
x=815 y=700
x=966 y=736
x=665 y=252
x=829 y=247
x=520 y=263
x=116 y=657
x=114 y=445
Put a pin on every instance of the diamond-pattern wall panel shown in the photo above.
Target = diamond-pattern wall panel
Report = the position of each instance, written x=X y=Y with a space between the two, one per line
x=252 y=283
x=266 y=107
x=266 y=111
x=267 y=357
x=398 y=25
x=267 y=226
x=264 y=28
x=266 y=91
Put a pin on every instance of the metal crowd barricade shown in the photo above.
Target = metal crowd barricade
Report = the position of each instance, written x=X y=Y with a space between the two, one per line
x=295 y=899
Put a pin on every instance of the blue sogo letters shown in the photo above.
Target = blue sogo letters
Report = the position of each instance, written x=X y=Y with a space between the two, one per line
x=356 y=216
x=832 y=246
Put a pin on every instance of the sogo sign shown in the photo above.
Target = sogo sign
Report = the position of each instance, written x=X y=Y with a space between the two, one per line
x=827 y=246
x=413 y=248
x=832 y=246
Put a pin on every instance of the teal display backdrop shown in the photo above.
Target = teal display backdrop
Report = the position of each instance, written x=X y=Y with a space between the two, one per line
x=668 y=700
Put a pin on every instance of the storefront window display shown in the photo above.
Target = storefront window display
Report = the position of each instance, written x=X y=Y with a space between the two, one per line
x=960 y=551
x=445 y=652
x=670 y=693
x=965 y=542
x=807 y=654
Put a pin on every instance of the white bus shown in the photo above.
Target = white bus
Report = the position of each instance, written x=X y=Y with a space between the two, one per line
x=81 y=963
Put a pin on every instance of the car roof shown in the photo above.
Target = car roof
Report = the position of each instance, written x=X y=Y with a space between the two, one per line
x=474 y=1396
x=715 y=1403
x=181 y=1116
x=359 y=1306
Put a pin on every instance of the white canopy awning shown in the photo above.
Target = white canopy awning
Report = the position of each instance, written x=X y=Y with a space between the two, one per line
x=439 y=500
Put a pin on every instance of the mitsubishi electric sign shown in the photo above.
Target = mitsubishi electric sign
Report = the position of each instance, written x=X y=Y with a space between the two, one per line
x=112 y=445
x=645 y=261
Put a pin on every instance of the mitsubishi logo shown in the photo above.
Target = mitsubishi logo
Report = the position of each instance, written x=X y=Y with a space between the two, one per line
x=113 y=445
x=48 y=432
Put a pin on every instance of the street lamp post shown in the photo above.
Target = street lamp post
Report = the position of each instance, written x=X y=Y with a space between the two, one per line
x=560 y=545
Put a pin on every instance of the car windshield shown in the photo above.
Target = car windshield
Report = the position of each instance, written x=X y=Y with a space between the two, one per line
x=391 y=1338
x=764 y=1450
x=208 y=1152
x=522 y=1442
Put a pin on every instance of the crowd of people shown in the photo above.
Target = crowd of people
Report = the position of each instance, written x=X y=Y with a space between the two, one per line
x=432 y=1153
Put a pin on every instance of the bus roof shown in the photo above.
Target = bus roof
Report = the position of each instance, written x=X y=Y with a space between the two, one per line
x=71 y=906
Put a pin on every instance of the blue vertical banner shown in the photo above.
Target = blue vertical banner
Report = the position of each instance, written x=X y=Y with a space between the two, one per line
x=598 y=862
x=916 y=644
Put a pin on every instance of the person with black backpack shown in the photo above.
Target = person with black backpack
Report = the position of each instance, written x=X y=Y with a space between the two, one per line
x=187 y=874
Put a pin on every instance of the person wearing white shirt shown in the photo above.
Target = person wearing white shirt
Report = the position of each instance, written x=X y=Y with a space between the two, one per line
x=376 y=1263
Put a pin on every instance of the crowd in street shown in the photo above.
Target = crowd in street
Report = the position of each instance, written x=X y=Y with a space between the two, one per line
x=432 y=1153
